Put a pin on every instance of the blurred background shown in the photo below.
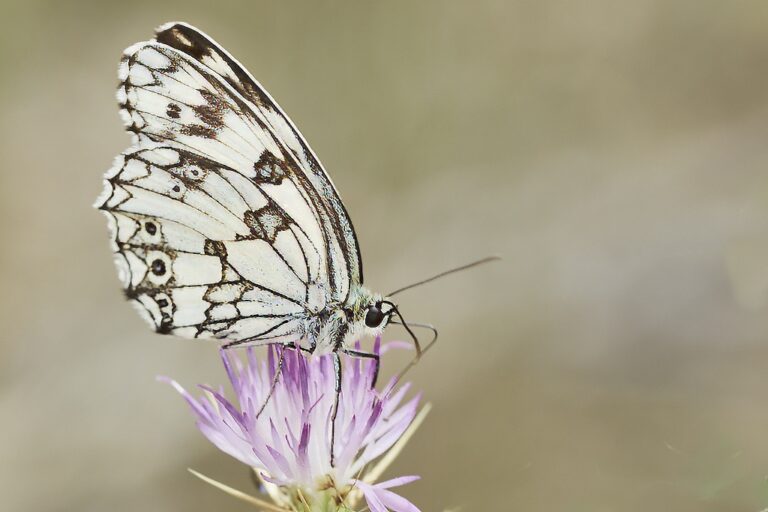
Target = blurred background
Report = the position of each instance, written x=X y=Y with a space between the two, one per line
x=613 y=152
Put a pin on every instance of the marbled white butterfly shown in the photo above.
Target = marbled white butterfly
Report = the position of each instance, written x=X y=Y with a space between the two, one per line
x=224 y=223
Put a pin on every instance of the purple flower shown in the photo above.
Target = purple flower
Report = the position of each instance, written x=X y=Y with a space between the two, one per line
x=289 y=444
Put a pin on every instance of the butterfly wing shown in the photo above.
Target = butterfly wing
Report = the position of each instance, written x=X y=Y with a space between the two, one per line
x=218 y=227
x=200 y=47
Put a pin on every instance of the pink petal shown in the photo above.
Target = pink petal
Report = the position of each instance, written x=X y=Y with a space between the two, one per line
x=374 y=503
x=396 y=345
x=396 y=502
x=397 y=482
x=381 y=500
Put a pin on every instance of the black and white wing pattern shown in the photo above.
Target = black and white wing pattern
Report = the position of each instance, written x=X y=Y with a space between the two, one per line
x=224 y=222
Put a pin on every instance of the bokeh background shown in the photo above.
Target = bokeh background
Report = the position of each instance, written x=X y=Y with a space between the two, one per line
x=613 y=152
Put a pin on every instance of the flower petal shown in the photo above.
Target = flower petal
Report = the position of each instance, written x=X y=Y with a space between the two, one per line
x=290 y=441
x=397 y=482
x=379 y=499
x=396 y=502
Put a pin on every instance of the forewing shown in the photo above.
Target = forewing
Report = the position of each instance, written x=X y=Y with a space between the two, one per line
x=167 y=95
x=204 y=252
x=197 y=45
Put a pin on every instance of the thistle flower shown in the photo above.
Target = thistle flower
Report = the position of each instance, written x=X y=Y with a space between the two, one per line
x=289 y=444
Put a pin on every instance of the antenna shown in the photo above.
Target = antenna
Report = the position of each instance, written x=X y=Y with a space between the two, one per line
x=487 y=259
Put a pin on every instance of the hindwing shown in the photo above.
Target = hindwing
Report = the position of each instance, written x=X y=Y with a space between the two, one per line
x=205 y=253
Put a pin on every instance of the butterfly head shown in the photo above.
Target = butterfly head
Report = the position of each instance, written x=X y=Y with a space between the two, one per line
x=375 y=316
x=373 y=313
x=367 y=315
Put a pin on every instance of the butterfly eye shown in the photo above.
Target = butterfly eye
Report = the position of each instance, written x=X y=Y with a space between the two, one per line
x=374 y=316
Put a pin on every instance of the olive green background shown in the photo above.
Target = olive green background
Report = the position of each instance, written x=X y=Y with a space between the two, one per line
x=613 y=152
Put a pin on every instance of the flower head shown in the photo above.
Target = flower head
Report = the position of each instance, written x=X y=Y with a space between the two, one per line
x=289 y=443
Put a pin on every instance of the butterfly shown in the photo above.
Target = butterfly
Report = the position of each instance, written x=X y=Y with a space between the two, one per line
x=224 y=223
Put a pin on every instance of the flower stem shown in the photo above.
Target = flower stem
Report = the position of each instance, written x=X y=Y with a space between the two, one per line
x=264 y=505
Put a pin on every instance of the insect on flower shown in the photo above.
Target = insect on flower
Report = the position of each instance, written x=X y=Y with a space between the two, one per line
x=224 y=223
x=288 y=446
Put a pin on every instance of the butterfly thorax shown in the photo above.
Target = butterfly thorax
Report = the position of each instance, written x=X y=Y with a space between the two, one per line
x=340 y=325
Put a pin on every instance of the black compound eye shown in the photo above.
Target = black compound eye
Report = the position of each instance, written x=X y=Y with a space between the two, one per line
x=374 y=316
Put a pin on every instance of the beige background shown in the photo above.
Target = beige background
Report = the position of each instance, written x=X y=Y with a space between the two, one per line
x=614 y=153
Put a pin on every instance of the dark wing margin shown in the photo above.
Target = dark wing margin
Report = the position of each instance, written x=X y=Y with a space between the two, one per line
x=192 y=42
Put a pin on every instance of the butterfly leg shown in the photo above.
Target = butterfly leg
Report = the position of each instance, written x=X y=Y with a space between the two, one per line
x=396 y=311
x=418 y=354
x=335 y=411
x=367 y=355
x=278 y=371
